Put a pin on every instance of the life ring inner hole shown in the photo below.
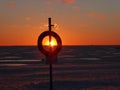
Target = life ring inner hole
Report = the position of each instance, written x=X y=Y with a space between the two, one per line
x=47 y=44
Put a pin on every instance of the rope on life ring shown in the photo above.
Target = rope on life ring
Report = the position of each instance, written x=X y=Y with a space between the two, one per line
x=58 y=40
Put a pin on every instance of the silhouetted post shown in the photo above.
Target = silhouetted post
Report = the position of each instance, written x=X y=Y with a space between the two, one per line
x=51 y=81
x=51 y=55
x=50 y=49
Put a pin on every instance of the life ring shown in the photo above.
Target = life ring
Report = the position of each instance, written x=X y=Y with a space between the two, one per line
x=58 y=40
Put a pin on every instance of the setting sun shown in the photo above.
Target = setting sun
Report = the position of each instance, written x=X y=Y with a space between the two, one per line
x=47 y=43
x=52 y=43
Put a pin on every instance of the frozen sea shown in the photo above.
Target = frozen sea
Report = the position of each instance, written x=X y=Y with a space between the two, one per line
x=77 y=68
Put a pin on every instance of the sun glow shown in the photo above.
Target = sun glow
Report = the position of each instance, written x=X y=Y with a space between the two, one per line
x=47 y=43
x=52 y=43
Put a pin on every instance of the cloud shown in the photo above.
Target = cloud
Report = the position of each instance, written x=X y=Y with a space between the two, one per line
x=48 y=3
x=11 y=4
x=66 y=1
x=97 y=15
x=56 y=26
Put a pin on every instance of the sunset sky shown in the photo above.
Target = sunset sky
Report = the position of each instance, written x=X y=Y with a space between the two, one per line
x=78 y=22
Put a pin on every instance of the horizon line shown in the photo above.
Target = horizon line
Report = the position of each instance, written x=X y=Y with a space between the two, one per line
x=64 y=45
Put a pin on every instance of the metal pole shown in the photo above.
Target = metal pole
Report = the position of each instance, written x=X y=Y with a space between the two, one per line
x=49 y=22
x=51 y=81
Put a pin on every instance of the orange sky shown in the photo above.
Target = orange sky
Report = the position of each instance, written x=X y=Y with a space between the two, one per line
x=78 y=22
